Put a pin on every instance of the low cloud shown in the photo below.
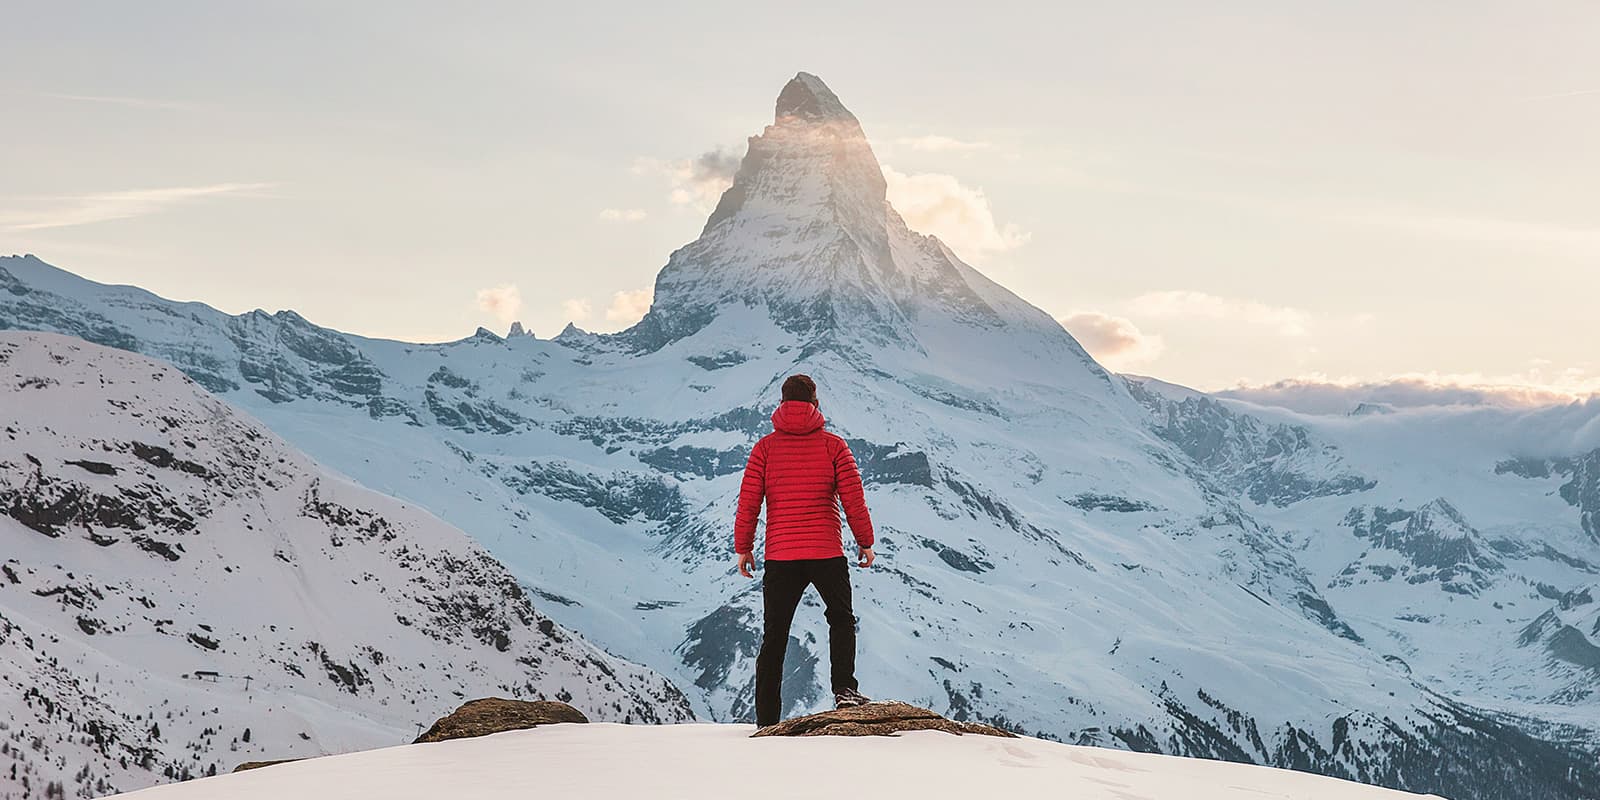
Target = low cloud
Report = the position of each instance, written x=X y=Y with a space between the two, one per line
x=623 y=214
x=1283 y=320
x=629 y=307
x=577 y=309
x=1113 y=341
x=695 y=182
x=940 y=144
x=504 y=302
x=959 y=215
x=67 y=211
x=1323 y=395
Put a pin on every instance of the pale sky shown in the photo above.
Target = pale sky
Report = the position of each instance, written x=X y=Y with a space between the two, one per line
x=1212 y=193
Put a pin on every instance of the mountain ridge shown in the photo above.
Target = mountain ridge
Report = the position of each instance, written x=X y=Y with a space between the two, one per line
x=1062 y=551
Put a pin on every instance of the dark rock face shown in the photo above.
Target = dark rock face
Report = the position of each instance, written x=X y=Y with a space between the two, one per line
x=876 y=719
x=1272 y=464
x=1581 y=491
x=496 y=715
x=1434 y=543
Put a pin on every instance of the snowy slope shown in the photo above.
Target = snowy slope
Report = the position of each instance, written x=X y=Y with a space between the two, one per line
x=708 y=762
x=1063 y=551
x=181 y=591
x=1476 y=537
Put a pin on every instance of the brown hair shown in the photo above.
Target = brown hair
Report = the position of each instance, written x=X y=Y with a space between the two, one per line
x=800 y=387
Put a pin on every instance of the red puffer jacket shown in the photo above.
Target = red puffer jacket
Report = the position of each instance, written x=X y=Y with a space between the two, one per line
x=805 y=474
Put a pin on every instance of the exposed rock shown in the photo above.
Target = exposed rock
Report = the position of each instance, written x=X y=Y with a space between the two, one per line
x=497 y=714
x=259 y=764
x=876 y=719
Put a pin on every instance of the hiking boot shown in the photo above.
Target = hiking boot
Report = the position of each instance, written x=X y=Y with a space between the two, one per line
x=849 y=698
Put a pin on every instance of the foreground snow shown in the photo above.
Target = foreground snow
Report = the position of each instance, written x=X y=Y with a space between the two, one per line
x=707 y=762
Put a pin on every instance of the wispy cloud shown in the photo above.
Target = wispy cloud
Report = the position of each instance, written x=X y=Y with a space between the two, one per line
x=959 y=215
x=696 y=182
x=1584 y=241
x=503 y=301
x=934 y=143
x=1283 y=320
x=577 y=309
x=62 y=212
x=1113 y=341
x=629 y=307
x=1560 y=95
x=126 y=102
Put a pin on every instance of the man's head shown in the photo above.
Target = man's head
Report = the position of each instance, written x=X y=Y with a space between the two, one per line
x=802 y=388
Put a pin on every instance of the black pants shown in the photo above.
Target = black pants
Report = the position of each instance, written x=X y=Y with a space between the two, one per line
x=783 y=583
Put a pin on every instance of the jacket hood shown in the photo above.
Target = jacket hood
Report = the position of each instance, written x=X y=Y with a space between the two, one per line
x=796 y=416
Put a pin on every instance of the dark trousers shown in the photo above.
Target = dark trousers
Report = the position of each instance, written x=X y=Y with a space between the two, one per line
x=783 y=583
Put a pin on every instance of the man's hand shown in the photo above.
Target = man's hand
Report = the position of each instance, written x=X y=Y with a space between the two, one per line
x=747 y=562
x=866 y=557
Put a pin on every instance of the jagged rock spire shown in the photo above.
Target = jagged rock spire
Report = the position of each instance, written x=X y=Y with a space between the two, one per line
x=806 y=97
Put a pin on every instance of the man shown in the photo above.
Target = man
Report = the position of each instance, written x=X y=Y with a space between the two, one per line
x=806 y=475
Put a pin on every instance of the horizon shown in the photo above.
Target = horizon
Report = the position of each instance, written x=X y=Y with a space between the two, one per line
x=1428 y=252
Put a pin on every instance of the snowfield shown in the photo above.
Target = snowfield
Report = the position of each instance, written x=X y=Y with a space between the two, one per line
x=712 y=762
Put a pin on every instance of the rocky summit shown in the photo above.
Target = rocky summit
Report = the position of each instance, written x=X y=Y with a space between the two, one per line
x=882 y=718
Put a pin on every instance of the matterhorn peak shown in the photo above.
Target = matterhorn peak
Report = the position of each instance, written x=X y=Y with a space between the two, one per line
x=806 y=232
x=806 y=97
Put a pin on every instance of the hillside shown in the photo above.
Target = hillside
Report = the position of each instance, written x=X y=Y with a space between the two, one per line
x=181 y=591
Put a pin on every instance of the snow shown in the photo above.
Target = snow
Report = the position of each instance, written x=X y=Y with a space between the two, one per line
x=1102 y=560
x=334 y=618
x=711 y=762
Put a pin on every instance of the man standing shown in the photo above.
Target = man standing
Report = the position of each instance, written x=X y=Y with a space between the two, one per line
x=806 y=475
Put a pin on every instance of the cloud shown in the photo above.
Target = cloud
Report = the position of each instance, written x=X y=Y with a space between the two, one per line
x=696 y=182
x=1113 y=341
x=940 y=144
x=504 y=302
x=1483 y=230
x=87 y=209
x=1318 y=394
x=629 y=307
x=1559 y=95
x=1284 y=320
x=129 y=102
x=960 y=216
x=577 y=309
x=623 y=214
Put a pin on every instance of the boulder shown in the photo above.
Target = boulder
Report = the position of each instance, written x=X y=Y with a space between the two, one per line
x=497 y=714
x=259 y=764
x=876 y=719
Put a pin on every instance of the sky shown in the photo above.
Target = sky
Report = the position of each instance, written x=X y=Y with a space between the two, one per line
x=1223 y=194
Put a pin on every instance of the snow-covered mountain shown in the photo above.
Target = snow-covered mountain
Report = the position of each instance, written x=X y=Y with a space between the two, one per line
x=1064 y=551
x=722 y=762
x=181 y=591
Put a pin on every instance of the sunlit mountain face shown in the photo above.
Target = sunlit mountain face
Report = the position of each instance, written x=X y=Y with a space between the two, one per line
x=1394 y=598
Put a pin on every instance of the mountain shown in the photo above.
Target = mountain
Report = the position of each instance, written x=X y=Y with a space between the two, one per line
x=1063 y=551
x=720 y=762
x=181 y=591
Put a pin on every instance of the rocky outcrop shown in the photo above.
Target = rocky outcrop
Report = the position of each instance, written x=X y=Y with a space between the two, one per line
x=876 y=719
x=249 y=765
x=497 y=715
